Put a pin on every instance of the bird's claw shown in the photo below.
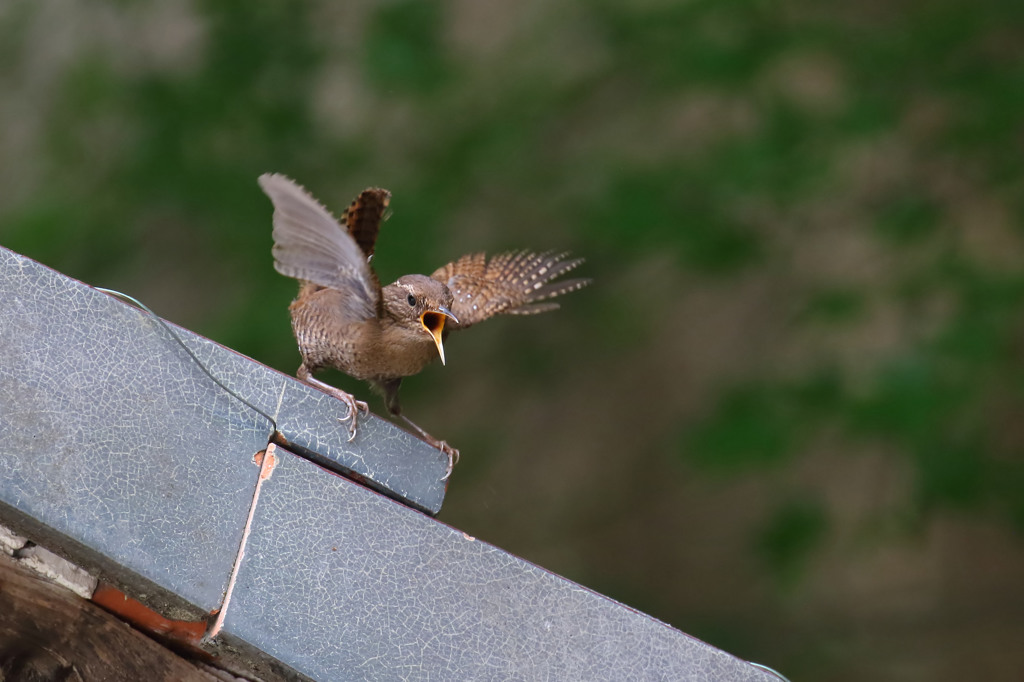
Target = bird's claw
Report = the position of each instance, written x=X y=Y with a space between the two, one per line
x=453 y=457
x=453 y=454
x=354 y=407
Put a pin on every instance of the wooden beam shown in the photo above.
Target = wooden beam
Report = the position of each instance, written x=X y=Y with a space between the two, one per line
x=48 y=633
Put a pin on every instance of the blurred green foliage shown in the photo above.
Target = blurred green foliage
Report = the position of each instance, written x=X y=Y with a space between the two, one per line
x=404 y=48
x=790 y=536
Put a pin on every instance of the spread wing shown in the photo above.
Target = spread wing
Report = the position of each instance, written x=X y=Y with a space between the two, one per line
x=364 y=215
x=515 y=283
x=310 y=245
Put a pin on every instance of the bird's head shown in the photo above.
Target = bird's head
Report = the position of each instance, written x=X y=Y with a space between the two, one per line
x=421 y=303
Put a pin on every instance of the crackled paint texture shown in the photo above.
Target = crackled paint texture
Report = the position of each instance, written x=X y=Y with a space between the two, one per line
x=384 y=456
x=344 y=584
x=113 y=443
x=119 y=448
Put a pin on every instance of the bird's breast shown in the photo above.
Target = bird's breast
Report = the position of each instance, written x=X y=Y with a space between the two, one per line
x=362 y=348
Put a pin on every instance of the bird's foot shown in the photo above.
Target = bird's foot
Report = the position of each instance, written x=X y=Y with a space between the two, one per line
x=453 y=454
x=354 y=407
x=453 y=457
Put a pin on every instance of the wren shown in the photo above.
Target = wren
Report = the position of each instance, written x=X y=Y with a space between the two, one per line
x=343 y=318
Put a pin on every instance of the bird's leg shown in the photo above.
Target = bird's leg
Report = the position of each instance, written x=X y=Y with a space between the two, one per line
x=390 y=388
x=453 y=454
x=354 y=405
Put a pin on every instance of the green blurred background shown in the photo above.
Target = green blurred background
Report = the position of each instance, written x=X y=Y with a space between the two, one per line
x=786 y=418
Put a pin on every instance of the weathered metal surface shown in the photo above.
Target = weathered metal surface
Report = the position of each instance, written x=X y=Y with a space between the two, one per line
x=119 y=452
x=343 y=584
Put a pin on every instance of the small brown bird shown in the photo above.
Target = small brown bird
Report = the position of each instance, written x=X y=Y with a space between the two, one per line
x=343 y=318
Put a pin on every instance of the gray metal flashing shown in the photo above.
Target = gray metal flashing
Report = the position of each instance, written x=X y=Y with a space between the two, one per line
x=345 y=584
x=120 y=454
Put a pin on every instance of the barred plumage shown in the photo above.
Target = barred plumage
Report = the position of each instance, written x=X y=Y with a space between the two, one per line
x=311 y=246
x=512 y=283
x=344 y=319
x=364 y=216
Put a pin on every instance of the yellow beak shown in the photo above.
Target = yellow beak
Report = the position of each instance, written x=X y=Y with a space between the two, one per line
x=433 y=322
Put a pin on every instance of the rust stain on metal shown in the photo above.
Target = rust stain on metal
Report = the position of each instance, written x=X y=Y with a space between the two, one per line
x=266 y=460
x=268 y=464
x=183 y=633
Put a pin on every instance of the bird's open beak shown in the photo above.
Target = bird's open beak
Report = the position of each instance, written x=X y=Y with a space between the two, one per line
x=433 y=322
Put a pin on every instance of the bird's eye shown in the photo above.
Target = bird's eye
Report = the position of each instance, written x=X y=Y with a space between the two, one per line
x=412 y=300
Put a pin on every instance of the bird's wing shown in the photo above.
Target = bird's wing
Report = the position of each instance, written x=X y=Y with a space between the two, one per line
x=310 y=245
x=364 y=215
x=514 y=283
